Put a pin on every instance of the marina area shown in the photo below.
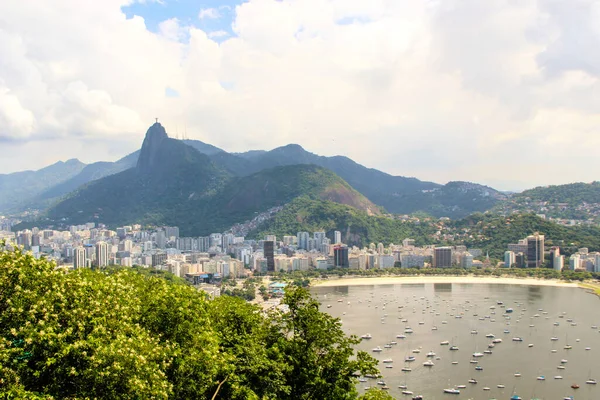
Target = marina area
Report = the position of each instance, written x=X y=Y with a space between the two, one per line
x=468 y=340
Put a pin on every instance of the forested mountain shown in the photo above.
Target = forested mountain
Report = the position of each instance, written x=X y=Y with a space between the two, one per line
x=396 y=194
x=175 y=184
x=579 y=201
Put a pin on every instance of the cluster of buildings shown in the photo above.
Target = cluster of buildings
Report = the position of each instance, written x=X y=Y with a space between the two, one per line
x=530 y=253
x=218 y=255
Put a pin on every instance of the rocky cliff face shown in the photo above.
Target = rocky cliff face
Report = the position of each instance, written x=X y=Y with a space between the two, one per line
x=151 y=146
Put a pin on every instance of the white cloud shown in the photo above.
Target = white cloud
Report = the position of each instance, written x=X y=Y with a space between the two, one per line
x=441 y=90
x=217 y=34
x=209 y=13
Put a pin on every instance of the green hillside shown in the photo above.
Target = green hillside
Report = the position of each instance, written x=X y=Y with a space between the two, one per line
x=579 y=201
x=174 y=184
x=357 y=227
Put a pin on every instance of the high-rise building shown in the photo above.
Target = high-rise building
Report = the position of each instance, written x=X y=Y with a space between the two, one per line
x=535 y=250
x=319 y=238
x=203 y=243
x=467 y=260
x=101 y=254
x=340 y=256
x=161 y=239
x=337 y=237
x=303 y=240
x=509 y=258
x=574 y=261
x=79 y=258
x=269 y=254
x=596 y=262
x=442 y=257
x=216 y=239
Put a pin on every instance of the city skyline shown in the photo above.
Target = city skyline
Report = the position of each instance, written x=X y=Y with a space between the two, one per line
x=403 y=87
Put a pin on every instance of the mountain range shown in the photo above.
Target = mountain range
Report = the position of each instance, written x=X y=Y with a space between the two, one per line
x=395 y=194
x=202 y=188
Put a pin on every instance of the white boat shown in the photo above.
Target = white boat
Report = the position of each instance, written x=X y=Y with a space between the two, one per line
x=497 y=341
x=401 y=336
x=474 y=381
x=560 y=367
x=452 y=391
x=517 y=375
x=409 y=359
x=416 y=351
x=541 y=378
x=431 y=354
x=444 y=343
x=486 y=388
x=454 y=348
x=407 y=392
x=377 y=349
x=387 y=346
x=406 y=369
x=408 y=330
x=517 y=339
x=490 y=335
x=564 y=361
x=428 y=363
x=591 y=381
x=454 y=362
x=554 y=338
x=477 y=355
x=362 y=379
x=366 y=336
x=558 y=377
x=473 y=332
x=387 y=361
x=461 y=386
x=500 y=386
x=530 y=345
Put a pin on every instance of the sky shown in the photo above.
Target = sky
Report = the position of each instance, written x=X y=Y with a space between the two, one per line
x=499 y=92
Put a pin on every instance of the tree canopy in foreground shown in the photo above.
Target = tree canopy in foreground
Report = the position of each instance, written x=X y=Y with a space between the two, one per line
x=124 y=335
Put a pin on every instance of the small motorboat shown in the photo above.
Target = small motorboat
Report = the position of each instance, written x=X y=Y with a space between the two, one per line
x=558 y=377
x=452 y=391
x=541 y=378
x=474 y=381
x=377 y=350
x=428 y=363
x=479 y=368
x=575 y=386
x=591 y=381
x=500 y=386
x=366 y=336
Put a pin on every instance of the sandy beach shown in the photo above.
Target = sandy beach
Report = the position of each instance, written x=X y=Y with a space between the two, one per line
x=390 y=280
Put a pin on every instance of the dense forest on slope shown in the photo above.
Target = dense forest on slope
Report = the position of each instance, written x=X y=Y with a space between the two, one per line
x=121 y=334
x=579 y=201
x=357 y=227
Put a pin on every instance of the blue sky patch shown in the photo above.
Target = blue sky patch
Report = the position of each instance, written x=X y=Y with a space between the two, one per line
x=188 y=12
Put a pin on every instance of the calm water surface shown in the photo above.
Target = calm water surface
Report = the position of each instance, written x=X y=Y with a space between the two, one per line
x=464 y=314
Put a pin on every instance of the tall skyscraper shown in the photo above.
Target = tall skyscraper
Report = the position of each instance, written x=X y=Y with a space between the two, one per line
x=101 y=254
x=442 y=257
x=509 y=258
x=79 y=258
x=340 y=256
x=337 y=237
x=535 y=250
x=269 y=253
x=303 y=240
x=161 y=239
x=319 y=238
